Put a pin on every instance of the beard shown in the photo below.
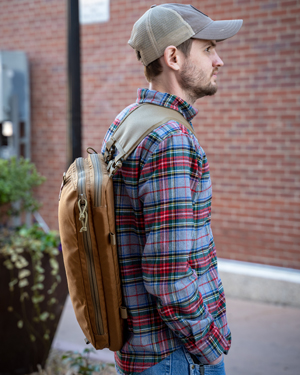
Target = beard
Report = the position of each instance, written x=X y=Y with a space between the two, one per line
x=192 y=81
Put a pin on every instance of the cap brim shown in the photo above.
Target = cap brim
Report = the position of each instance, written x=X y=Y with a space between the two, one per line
x=219 y=30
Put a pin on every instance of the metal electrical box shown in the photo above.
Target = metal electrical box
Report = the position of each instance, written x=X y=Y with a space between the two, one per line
x=14 y=105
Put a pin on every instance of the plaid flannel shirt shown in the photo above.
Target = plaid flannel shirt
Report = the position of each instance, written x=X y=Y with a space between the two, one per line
x=167 y=255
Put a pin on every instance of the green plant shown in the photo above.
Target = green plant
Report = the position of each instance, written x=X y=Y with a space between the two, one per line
x=30 y=272
x=17 y=179
x=81 y=362
x=23 y=252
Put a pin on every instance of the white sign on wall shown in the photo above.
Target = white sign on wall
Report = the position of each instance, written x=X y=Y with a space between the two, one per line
x=93 y=11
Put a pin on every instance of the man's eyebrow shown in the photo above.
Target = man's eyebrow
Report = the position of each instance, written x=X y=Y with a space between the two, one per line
x=210 y=43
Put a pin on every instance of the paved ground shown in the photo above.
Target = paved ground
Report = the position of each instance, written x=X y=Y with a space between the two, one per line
x=265 y=338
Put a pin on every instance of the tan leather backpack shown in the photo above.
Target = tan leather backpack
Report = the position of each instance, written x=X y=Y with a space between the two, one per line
x=88 y=233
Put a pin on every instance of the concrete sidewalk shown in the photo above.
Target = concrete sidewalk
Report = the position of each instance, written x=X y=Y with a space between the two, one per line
x=265 y=338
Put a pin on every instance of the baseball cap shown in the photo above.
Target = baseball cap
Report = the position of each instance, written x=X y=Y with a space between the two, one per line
x=172 y=24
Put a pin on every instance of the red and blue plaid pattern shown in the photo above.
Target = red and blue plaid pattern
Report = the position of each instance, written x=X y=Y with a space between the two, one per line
x=167 y=255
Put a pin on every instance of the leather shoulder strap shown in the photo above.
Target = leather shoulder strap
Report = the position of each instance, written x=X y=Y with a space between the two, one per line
x=137 y=125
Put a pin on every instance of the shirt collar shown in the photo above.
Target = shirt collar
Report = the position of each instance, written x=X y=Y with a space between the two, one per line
x=166 y=100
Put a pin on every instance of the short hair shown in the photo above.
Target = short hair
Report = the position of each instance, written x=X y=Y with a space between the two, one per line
x=155 y=68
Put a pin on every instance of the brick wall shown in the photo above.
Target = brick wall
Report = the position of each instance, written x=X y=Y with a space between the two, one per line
x=38 y=28
x=249 y=129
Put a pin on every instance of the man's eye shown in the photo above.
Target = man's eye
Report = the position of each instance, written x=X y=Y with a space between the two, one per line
x=208 y=49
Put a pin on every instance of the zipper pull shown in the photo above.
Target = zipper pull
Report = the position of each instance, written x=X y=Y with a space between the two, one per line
x=83 y=215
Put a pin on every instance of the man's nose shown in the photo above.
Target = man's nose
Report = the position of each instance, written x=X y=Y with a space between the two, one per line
x=217 y=60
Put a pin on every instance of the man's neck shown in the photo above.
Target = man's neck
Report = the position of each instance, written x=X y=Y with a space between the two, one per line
x=170 y=87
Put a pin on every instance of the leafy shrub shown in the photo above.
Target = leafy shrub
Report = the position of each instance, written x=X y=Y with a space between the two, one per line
x=17 y=179
x=81 y=363
x=24 y=251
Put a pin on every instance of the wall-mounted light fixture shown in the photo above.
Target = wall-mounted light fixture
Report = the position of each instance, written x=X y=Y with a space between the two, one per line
x=7 y=129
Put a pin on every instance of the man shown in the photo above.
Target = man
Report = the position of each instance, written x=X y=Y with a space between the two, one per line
x=177 y=313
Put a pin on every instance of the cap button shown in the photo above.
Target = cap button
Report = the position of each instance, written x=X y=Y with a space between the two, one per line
x=153 y=6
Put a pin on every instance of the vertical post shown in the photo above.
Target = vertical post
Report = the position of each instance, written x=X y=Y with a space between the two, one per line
x=74 y=84
x=15 y=139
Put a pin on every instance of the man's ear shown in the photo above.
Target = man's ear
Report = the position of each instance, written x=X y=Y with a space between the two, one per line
x=172 y=58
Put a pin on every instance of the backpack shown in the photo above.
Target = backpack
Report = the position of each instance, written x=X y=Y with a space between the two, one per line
x=87 y=228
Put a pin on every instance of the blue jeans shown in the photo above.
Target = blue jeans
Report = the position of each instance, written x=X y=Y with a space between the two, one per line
x=181 y=363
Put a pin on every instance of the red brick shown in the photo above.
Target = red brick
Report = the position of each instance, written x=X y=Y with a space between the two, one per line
x=250 y=129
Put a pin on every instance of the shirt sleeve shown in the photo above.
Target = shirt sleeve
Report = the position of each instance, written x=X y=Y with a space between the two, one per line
x=168 y=185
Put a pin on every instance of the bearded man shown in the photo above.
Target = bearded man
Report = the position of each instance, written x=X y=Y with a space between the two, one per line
x=176 y=306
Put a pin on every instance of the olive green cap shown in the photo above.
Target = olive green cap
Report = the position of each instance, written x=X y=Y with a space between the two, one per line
x=172 y=24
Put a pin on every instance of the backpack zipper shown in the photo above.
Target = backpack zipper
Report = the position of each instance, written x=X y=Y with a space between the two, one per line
x=98 y=179
x=87 y=243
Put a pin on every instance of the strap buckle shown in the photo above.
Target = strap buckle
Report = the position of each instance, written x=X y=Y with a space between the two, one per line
x=113 y=167
x=110 y=150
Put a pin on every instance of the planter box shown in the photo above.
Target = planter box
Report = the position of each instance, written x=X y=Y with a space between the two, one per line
x=18 y=353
